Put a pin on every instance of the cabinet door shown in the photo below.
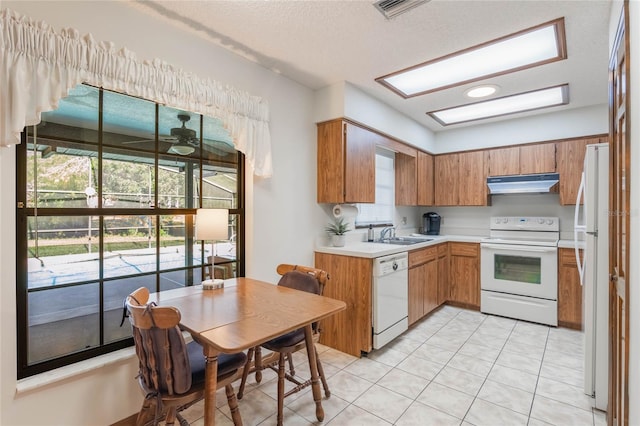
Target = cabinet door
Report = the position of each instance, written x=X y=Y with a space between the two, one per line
x=472 y=183
x=330 y=162
x=464 y=273
x=406 y=179
x=348 y=331
x=360 y=165
x=538 y=158
x=443 y=273
x=446 y=180
x=430 y=291
x=425 y=179
x=570 y=159
x=416 y=293
x=569 y=290
x=504 y=161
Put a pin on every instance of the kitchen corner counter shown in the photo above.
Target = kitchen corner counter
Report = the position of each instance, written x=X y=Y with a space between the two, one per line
x=372 y=250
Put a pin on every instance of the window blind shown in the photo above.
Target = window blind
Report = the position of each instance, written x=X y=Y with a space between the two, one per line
x=381 y=212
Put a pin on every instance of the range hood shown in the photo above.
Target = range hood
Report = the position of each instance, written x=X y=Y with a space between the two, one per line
x=522 y=184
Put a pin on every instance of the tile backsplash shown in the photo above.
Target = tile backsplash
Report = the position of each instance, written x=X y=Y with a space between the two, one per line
x=475 y=220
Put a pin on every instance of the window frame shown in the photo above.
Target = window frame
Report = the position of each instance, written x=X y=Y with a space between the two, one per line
x=381 y=184
x=24 y=212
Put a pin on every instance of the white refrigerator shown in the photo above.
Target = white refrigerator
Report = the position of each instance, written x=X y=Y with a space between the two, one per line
x=592 y=230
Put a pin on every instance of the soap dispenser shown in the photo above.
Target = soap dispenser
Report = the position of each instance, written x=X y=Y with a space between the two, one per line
x=370 y=234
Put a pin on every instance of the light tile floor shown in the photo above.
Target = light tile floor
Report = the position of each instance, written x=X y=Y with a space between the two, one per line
x=456 y=367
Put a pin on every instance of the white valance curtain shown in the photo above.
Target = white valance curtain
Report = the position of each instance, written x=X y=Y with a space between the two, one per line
x=38 y=66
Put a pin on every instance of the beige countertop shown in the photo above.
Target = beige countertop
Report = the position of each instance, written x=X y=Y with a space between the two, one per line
x=570 y=244
x=372 y=250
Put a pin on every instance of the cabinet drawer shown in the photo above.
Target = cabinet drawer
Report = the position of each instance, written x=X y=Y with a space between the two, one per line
x=464 y=249
x=443 y=249
x=417 y=257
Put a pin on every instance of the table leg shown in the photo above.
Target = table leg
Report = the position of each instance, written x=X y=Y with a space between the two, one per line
x=313 y=366
x=210 y=386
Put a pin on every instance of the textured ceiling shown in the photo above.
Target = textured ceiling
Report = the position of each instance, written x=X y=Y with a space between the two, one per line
x=319 y=43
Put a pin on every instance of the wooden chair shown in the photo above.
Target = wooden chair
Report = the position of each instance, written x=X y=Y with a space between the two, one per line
x=172 y=373
x=220 y=270
x=302 y=278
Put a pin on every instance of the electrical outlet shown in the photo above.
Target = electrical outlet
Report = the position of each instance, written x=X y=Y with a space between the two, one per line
x=404 y=220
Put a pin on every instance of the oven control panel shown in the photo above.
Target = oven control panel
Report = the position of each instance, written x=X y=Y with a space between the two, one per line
x=525 y=223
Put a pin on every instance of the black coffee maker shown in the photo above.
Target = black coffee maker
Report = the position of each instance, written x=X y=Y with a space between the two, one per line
x=431 y=223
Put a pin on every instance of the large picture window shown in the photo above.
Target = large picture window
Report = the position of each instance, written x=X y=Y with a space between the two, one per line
x=108 y=186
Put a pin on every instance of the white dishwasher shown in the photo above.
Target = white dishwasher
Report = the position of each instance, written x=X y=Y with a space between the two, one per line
x=390 y=298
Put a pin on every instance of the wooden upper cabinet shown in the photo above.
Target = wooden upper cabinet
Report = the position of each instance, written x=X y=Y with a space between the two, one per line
x=406 y=179
x=330 y=164
x=570 y=159
x=346 y=163
x=425 y=179
x=446 y=180
x=504 y=161
x=472 y=181
x=527 y=159
x=538 y=158
x=347 y=168
x=360 y=165
x=460 y=179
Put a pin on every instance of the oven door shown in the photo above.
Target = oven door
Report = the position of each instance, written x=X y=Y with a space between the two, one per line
x=519 y=269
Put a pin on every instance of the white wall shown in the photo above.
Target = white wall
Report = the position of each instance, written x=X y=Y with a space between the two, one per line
x=283 y=218
x=475 y=220
x=555 y=125
x=343 y=99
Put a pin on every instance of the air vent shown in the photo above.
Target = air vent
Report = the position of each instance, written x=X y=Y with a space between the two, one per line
x=392 y=8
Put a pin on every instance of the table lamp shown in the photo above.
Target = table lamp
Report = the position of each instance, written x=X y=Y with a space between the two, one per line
x=212 y=224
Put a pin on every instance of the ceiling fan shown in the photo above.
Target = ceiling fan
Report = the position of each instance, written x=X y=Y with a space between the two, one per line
x=184 y=141
x=185 y=137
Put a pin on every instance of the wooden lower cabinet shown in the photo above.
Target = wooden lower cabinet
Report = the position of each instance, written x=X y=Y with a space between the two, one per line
x=569 y=290
x=443 y=273
x=423 y=282
x=464 y=274
x=350 y=280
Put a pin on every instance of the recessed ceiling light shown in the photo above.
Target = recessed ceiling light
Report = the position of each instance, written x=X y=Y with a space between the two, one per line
x=544 y=98
x=534 y=46
x=481 y=91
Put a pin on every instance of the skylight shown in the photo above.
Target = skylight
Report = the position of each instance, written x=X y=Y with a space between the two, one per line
x=525 y=49
x=544 y=98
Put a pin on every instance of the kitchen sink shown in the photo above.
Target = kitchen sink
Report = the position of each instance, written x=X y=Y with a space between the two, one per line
x=403 y=241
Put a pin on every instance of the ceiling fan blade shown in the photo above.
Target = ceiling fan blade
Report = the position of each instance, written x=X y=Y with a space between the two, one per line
x=215 y=151
x=138 y=141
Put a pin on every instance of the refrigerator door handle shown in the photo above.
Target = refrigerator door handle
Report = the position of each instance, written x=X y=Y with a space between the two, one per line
x=579 y=228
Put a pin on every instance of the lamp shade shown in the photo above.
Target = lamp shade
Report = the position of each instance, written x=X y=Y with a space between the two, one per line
x=212 y=224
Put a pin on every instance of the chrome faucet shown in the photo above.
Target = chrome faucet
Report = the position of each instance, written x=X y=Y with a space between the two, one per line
x=391 y=230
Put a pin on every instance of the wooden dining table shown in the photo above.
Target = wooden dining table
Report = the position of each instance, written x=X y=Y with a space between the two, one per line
x=243 y=314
